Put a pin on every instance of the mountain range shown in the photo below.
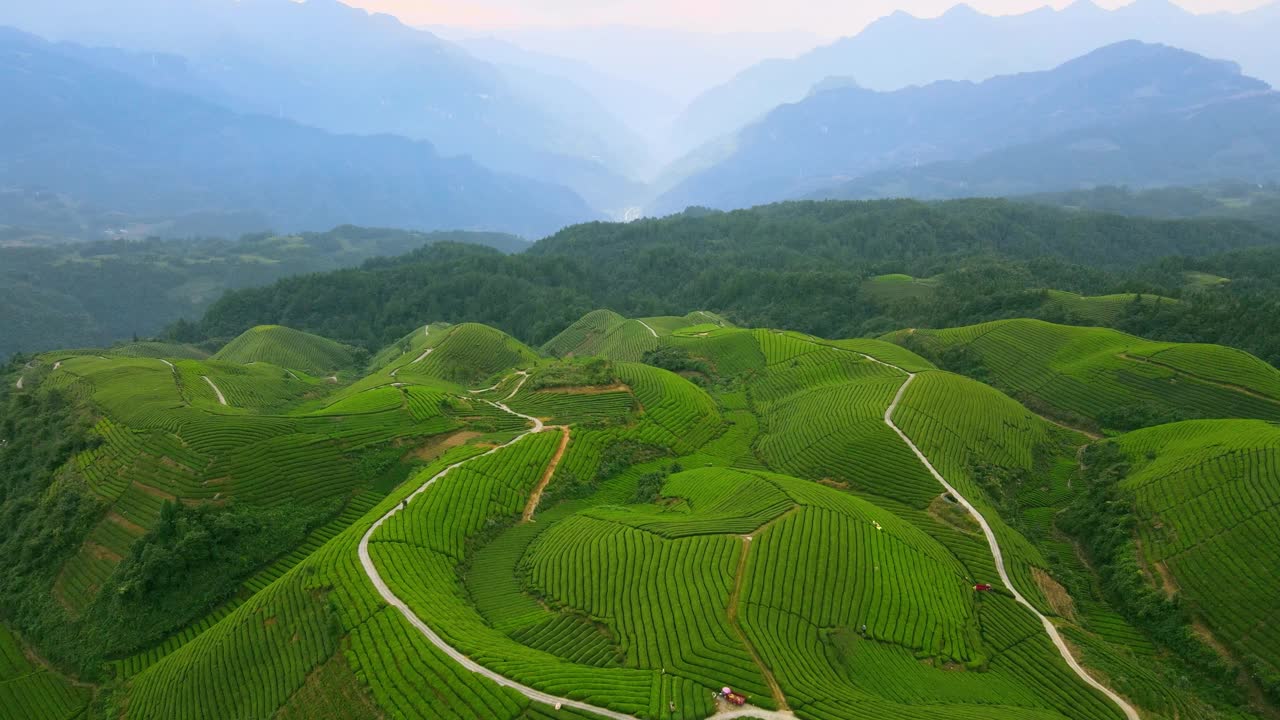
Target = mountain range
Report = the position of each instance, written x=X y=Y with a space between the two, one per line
x=1130 y=113
x=138 y=150
x=901 y=50
x=327 y=65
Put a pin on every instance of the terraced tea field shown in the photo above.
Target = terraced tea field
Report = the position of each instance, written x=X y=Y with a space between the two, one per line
x=30 y=691
x=1208 y=500
x=835 y=529
x=608 y=334
x=286 y=348
x=1106 y=378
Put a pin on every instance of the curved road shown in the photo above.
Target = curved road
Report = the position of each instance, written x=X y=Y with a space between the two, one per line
x=221 y=398
x=372 y=571
x=745 y=712
x=533 y=694
x=1049 y=627
x=646 y=327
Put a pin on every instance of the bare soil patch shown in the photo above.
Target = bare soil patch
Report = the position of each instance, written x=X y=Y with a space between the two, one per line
x=1058 y=597
x=132 y=527
x=439 y=445
x=155 y=492
x=536 y=497
x=954 y=514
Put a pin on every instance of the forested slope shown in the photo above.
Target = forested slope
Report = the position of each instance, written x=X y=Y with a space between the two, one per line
x=87 y=294
x=795 y=265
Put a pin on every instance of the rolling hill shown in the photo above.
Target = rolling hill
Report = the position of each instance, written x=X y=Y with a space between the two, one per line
x=1104 y=378
x=811 y=522
x=286 y=348
x=1205 y=498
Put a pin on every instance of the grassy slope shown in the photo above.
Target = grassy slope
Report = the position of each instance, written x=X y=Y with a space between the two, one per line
x=1208 y=500
x=1097 y=375
x=287 y=348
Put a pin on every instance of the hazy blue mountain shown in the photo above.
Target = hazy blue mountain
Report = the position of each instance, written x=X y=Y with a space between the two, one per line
x=653 y=73
x=340 y=69
x=1237 y=139
x=901 y=50
x=108 y=141
x=1100 y=102
x=636 y=116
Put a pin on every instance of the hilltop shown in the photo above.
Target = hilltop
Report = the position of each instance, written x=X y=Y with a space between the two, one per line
x=812 y=516
x=1106 y=379
x=287 y=348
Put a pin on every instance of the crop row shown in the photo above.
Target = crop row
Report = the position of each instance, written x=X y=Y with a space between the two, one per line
x=286 y=348
x=840 y=571
x=677 y=413
x=664 y=600
x=1208 y=496
x=279 y=639
x=820 y=367
x=564 y=408
x=715 y=501
x=838 y=433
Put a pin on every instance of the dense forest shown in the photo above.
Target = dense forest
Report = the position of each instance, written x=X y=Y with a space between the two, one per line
x=86 y=294
x=804 y=266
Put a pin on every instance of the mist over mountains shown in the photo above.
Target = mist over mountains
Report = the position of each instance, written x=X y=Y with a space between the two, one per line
x=901 y=50
x=223 y=117
x=1130 y=113
x=142 y=151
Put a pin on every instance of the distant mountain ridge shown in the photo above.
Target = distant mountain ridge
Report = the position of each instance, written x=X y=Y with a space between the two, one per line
x=106 y=139
x=901 y=50
x=1089 y=121
x=334 y=67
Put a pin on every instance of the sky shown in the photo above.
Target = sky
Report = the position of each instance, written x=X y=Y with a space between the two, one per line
x=821 y=17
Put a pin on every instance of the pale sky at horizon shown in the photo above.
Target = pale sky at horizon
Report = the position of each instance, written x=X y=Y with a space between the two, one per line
x=822 y=17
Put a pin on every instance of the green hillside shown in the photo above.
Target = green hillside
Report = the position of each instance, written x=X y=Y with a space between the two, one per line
x=1103 y=378
x=623 y=525
x=1103 y=310
x=30 y=691
x=1059 y=305
x=606 y=333
x=897 y=288
x=287 y=348
x=1207 y=496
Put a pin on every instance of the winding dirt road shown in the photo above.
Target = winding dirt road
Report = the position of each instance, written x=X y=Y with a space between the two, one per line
x=535 y=498
x=221 y=398
x=371 y=570
x=725 y=714
x=391 y=599
x=1050 y=629
x=646 y=327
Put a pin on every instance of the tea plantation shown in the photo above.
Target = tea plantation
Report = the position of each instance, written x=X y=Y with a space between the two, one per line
x=639 y=514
